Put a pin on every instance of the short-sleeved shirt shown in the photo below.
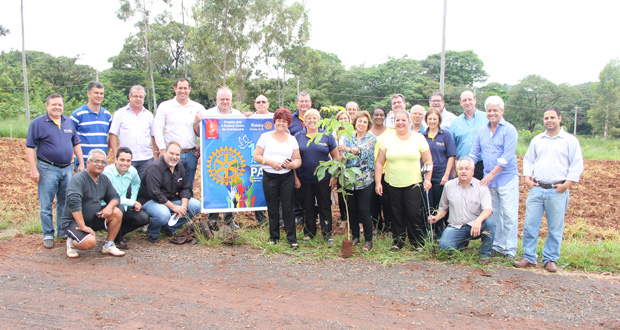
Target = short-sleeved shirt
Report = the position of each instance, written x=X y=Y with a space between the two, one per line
x=278 y=151
x=93 y=128
x=442 y=147
x=497 y=149
x=178 y=123
x=312 y=155
x=364 y=160
x=161 y=185
x=402 y=166
x=464 y=130
x=465 y=204
x=122 y=183
x=53 y=143
x=297 y=124
x=134 y=131
x=447 y=118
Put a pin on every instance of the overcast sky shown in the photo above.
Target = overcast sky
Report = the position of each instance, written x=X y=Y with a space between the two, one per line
x=563 y=41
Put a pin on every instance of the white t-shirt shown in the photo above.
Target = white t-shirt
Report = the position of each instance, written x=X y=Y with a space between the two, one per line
x=277 y=151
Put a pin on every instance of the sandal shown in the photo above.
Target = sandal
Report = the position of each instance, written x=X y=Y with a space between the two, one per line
x=356 y=241
x=367 y=246
x=329 y=241
x=272 y=242
x=294 y=246
x=306 y=238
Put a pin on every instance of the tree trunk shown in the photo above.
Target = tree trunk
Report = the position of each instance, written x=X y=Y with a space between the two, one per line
x=225 y=42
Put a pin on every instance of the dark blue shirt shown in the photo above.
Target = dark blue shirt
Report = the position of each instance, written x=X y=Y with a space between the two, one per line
x=442 y=147
x=53 y=144
x=312 y=154
x=297 y=125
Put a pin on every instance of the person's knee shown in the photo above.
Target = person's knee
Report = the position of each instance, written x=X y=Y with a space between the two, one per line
x=117 y=215
x=87 y=243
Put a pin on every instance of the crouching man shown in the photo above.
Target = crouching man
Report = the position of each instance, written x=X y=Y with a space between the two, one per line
x=84 y=213
x=123 y=176
x=470 y=208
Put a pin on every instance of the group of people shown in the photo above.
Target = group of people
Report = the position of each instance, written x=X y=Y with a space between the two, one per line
x=417 y=173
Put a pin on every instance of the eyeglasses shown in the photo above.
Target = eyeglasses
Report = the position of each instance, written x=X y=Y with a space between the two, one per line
x=139 y=97
x=260 y=102
x=100 y=162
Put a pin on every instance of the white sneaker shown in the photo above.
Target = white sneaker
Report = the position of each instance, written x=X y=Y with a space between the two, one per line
x=112 y=250
x=72 y=252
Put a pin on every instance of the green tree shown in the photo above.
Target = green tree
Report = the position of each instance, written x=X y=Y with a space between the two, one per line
x=463 y=68
x=4 y=31
x=527 y=99
x=605 y=115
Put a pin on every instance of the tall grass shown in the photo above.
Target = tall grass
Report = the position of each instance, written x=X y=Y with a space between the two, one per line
x=591 y=147
x=16 y=128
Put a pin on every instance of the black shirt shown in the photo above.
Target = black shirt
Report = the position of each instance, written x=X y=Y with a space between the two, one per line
x=161 y=185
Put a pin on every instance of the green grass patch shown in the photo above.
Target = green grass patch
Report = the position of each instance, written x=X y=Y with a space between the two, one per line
x=16 y=128
x=25 y=220
x=591 y=148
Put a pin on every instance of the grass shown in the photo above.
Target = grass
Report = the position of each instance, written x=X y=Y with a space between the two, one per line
x=23 y=219
x=591 y=148
x=16 y=128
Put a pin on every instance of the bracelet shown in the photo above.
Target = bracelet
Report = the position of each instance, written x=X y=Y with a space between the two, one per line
x=264 y=160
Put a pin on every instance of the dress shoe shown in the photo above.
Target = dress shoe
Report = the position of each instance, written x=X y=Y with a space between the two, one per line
x=551 y=267
x=122 y=244
x=524 y=263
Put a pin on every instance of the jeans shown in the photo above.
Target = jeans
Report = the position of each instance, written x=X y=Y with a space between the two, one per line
x=141 y=165
x=554 y=205
x=132 y=220
x=458 y=238
x=190 y=162
x=160 y=214
x=358 y=203
x=278 y=189
x=505 y=215
x=53 y=181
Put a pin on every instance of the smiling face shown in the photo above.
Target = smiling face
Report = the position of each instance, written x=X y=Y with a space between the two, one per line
x=95 y=96
x=378 y=117
x=398 y=104
x=96 y=165
x=468 y=102
x=136 y=100
x=123 y=162
x=361 y=125
x=432 y=120
x=172 y=155
x=304 y=103
x=343 y=118
x=55 y=107
x=311 y=121
x=417 y=115
x=352 y=108
x=182 y=91
x=552 y=122
x=402 y=122
x=436 y=102
x=224 y=99
x=494 y=114
x=281 y=125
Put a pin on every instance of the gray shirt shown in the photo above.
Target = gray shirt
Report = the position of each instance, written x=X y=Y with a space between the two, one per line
x=465 y=204
x=84 y=194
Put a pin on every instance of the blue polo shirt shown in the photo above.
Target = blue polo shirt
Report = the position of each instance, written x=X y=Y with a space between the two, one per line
x=52 y=143
x=464 y=130
x=442 y=147
x=297 y=125
x=312 y=154
x=92 y=128
x=498 y=149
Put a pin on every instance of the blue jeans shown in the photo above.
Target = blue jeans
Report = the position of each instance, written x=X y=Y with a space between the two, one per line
x=541 y=200
x=160 y=214
x=458 y=238
x=190 y=162
x=506 y=216
x=53 y=181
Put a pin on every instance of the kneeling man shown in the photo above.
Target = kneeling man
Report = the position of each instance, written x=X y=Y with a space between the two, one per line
x=165 y=190
x=84 y=213
x=470 y=208
x=123 y=177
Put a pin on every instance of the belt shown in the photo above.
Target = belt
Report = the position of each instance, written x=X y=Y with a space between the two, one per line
x=545 y=185
x=187 y=150
x=53 y=164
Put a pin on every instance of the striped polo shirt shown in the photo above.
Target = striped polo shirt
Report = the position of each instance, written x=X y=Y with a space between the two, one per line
x=92 y=128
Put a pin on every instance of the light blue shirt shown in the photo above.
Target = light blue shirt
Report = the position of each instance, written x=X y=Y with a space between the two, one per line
x=122 y=182
x=464 y=130
x=552 y=159
x=497 y=149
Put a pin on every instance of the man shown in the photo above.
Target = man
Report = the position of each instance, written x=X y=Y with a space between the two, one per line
x=465 y=127
x=417 y=118
x=180 y=118
x=166 y=191
x=398 y=104
x=133 y=126
x=552 y=164
x=53 y=140
x=436 y=101
x=92 y=121
x=84 y=213
x=123 y=176
x=304 y=103
x=261 y=104
x=352 y=108
x=470 y=207
x=496 y=144
x=223 y=108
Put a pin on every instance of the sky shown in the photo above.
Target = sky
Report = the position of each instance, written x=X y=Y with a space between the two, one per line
x=564 y=41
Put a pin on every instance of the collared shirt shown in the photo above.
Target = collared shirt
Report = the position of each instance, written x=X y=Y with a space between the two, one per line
x=364 y=160
x=178 y=122
x=84 y=193
x=161 y=185
x=442 y=148
x=422 y=128
x=92 y=128
x=134 y=131
x=447 y=118
x=53 y=143
x=215 y=111
x=389 y=120
x=297 y=124
x=312 y=155
x=122 y=182
x=464 y=130
x=465 y=204
x=402 y=166
x=552 y=159
x=497 y=149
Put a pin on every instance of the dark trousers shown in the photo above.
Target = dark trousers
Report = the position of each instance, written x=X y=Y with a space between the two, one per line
x=341 y=206
x=359 y=211
x=407 y=216
x=141 y=165
x=478 y=170
x=279 y=190
x=434 y=196
x=132 y=220
x=377 y=204
x=321 y=193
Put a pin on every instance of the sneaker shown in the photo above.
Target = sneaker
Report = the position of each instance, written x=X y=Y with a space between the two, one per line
x=112 y=250
x=48 y=243
x=72 y=252
x=144 y=229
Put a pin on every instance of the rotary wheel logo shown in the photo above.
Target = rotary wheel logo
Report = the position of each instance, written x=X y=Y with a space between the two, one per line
x=226 y=166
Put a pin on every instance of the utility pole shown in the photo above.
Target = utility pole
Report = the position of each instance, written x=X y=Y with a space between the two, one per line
x=576 y=115
x=24 y=68
x=443 y=49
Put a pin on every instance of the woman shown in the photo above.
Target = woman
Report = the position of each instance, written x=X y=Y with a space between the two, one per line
x=400 y=154
x=311 y=188
x=380 y=131
x=362 y=145
x=443 y=152
x=278 y=152
x=344 y=117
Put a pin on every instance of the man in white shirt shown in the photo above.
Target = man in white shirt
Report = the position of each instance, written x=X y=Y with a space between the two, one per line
x=436 y=101
x=132 y=125
x=180 y=118
x=398 y=104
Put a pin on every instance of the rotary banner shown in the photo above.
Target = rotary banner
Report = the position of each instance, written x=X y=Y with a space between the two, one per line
x=231 y=180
